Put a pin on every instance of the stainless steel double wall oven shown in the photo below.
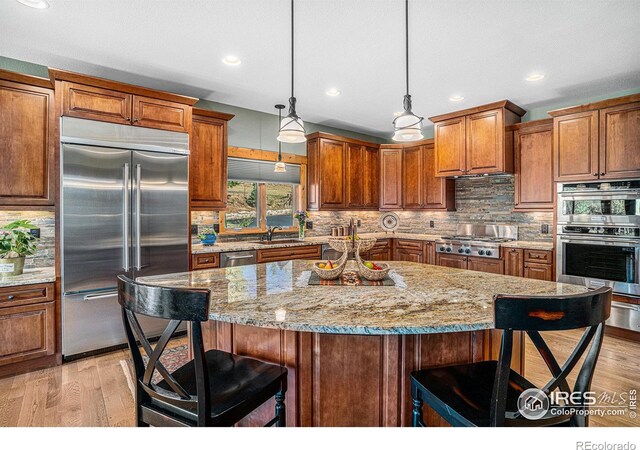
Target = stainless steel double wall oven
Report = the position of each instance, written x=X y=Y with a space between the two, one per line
x=598 y=241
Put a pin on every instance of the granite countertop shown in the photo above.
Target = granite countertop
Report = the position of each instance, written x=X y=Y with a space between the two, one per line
x=30 y=276
x=425 y=299
x=316 y=240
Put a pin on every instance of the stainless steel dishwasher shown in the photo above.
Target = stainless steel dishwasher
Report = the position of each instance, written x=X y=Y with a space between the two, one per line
x=232 y=259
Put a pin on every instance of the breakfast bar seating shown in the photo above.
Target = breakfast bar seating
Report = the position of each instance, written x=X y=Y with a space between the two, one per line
x=487 y=393
x=215 y=388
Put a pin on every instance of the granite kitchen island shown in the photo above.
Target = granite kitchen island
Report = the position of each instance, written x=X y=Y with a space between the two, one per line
x=350 y=349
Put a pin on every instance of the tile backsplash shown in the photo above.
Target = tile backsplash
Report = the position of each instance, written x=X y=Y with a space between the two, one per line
x=478 y=200
x=45 y=220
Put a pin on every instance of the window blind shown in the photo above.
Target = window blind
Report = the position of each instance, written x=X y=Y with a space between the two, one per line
x=261 y=171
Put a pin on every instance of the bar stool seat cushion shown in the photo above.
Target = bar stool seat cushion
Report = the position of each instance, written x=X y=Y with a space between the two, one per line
x=464 y=392
x=236 y=383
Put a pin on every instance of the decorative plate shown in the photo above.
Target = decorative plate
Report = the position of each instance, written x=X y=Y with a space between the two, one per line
x=389 y=221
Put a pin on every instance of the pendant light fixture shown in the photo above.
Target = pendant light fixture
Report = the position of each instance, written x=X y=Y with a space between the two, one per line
x=280 y=167
x=292 y=126
x=408 y=126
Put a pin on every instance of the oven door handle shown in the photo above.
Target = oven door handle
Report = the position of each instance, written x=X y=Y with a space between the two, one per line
x=600 y=196
x=598 y=241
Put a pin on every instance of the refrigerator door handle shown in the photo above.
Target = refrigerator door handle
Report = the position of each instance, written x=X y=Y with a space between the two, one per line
x=138 y=261
x=125 y=215
x=100 y=295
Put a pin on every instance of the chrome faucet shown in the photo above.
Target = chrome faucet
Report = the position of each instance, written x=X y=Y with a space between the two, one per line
x=270 y=231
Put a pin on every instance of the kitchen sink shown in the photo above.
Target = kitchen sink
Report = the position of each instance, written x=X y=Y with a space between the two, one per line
x=277 y=241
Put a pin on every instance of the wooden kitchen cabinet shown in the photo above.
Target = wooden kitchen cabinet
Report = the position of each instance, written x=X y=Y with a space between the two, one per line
x=94 y=98
x=342 y=173
x=27 y=324
x=575 y=146
x=474 y=141
x=439 y=193
x=620 y=141
x=390 y=177
x=412 y=177
x=487 y=265
x=27 y=133
x=289 y=253
x=429 y=252
x=208 y=160
x=597 y=141
x=538 y=271
x=362 y=176
x=454 y=261
x=533 y=157
x=408 y=250
x=205 y=261
x=513 y=261
x=381 y=251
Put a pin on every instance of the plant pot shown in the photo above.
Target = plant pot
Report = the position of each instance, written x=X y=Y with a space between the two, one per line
x=10 y=267
x=209 y=239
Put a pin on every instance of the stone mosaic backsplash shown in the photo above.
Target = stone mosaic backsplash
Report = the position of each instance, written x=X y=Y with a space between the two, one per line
x=45 y=220
x=483 y=200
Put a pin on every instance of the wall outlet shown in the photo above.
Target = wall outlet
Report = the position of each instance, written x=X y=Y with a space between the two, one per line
x=35 y=232
x=194 y=230
x=431 y=224
x=309 y=225
x=216 y=227
x=544 y=229
x=359 y=223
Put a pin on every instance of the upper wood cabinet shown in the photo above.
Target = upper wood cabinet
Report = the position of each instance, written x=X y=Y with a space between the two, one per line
x=363 y=178
x=421 y=189
x=472 y=141
x=208 y=160
x=533 y=154
x=390 y=177
x=108 y=101
x=27 y=130
x=343 y=173
x=598 y=140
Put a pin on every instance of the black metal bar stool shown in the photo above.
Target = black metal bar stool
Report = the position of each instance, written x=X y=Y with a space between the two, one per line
x=489 y=393
x=216 y=388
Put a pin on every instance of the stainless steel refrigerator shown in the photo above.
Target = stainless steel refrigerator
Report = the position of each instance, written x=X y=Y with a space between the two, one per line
x=125 y=209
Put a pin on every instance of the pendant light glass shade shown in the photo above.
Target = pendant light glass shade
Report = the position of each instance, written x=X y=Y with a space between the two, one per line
x=280 y=167
x=408 y=126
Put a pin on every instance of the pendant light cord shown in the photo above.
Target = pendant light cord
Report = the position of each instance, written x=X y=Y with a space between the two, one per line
x=292 y=67
x=406 y=35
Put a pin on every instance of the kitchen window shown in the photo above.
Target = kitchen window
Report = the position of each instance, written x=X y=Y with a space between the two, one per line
x=257 y=197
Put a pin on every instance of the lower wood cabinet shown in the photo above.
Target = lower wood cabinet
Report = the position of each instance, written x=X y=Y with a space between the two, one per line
x=288 y=253
x=381 y=251
x=513 y=261
x=454 y=261
x=538 y=271
x=429 y=252
x=528 y=263
x=27 y=323
x=205 y=261
x=486 y=265
x=408 y=250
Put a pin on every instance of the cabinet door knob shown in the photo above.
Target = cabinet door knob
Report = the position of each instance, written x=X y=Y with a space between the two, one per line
x=11 y=297
x=595 y=174
x=135 y=120
x=601 y=173
x=127 y=119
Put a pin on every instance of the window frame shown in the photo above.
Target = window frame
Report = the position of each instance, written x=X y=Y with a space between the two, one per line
x=300 y=190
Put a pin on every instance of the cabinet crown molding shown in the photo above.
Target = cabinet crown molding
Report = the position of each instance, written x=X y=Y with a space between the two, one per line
x=32 y=80
x=63 y=75
x=212 y=114
x=595 y=105
x=489 y=106
x=335 y=137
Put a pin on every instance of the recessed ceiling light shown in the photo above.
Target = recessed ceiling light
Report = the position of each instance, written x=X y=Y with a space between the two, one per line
x=231 y=60
x=333 y=92
x=456 y=98
x=535 y=77
x=38 y=4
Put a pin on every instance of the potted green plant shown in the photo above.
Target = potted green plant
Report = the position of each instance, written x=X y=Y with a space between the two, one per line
x=301 y=217
x=207 y=236
x=16 y=243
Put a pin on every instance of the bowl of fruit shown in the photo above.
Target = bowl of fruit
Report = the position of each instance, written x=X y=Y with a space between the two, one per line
x=329 y=270
x=372 y=270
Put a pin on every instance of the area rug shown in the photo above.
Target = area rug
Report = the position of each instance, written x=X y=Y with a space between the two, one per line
x=172 y=359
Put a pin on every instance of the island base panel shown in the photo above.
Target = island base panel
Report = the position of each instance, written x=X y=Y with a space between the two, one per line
x=347 y=379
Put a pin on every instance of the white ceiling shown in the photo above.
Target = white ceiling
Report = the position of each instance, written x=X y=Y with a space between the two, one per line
x=481 y=49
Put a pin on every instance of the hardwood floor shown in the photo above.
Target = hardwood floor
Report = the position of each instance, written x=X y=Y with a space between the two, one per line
x=94 y=391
